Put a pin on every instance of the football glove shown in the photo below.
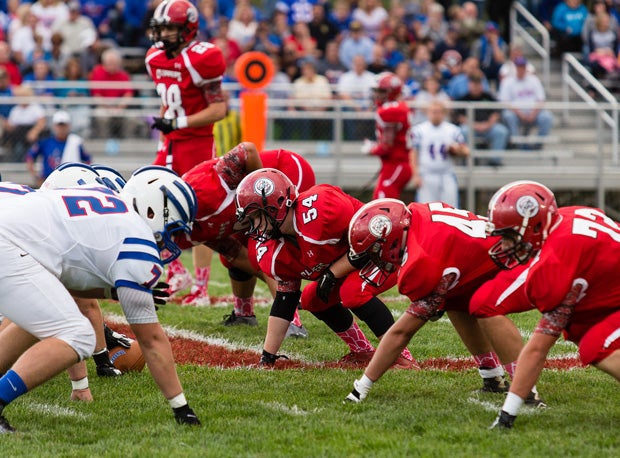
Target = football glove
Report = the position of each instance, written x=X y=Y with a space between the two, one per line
x=160 y=293
x=325 y=285
x=107 y=370
x=368 y=146
x=165 y=125
x=115 y=339
x=503 y=421
x=184 y=415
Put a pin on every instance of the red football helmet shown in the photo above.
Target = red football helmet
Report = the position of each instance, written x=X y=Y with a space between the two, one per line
x=378 y=231
x=522 y=213
x=387 y=87
x=179 y=13
x=264 y=198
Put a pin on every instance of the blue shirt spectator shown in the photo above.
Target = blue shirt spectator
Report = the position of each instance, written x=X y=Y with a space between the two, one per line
x=569 y=17
x=297 y=10
x=355 y=44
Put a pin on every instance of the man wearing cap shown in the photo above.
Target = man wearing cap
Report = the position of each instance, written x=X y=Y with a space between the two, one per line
x=491 y=50
x=526 y=91
x=357 y=43
x=62 y=146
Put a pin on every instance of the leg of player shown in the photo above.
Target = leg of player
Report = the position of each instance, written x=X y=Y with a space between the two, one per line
x=505 y=339
x=389 y=349
x=91 y=310
x=242 y=284
x=178 y=277
x=199 y=294
x=14 y=341
x=489 y=365
x=78 y=374
x=611 y=365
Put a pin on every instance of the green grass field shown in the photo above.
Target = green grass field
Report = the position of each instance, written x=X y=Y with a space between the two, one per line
x=271 y=413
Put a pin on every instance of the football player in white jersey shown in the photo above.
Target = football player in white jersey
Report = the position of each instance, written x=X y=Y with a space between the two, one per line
x=88 y=242
x=436 y=142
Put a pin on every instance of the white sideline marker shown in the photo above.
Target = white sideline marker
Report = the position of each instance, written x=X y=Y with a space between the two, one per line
x=293 y=410
x=55 y=411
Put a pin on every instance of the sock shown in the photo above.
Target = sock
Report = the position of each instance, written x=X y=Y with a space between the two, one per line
x=11 y=387
x=244 y=306
x=487 y=360
x=356 y=340
x=176 y=267
x=296 y=320
x=510 y=369
x=202 y=276
x=407 y=354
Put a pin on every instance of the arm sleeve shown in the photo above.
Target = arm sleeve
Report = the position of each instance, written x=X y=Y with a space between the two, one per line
x=138 y=305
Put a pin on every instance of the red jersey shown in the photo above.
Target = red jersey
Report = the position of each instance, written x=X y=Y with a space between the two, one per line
x=393 y=125
x=100 y=74
x=280 y=260
x=321 y=224
x=295 y=167
x=582 y=249
x=444 y=240
x=187 y=83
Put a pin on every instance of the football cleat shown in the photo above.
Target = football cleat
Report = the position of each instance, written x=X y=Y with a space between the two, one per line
x=357 y=357
x=494 y=385
x=299 y=332
x=5 y=427
x=236 y=320
x=404 y=363
x=178 y=282
x=198 y=297
x=534 y=400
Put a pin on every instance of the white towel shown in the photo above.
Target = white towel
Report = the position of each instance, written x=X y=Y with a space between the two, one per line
x=71 y=153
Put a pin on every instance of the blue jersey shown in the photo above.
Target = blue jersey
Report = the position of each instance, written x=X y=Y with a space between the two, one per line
x=51 y=151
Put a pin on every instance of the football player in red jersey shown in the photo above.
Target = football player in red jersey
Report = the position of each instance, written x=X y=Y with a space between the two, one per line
x=440 y=254
x=571 y=280
x=393 y=144
x=306 y=235
x=187 y=76
x=215 y=182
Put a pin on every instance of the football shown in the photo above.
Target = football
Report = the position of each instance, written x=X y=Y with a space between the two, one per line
x=127 y=359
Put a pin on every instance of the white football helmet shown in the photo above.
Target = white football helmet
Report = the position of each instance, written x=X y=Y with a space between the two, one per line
x=70 y=175
x=112 y=179
x=166 y=202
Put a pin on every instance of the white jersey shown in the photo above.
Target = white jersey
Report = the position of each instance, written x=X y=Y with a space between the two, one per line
x=8 y=189
x=86 y=237
x=431 y=143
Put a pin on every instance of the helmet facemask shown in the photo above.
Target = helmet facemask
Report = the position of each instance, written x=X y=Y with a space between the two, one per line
x=511 y=250
x=382 y=260
x=166 y=43
x=264 y=221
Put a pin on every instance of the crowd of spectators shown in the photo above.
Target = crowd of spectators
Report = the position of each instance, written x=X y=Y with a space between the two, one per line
x=437 y=47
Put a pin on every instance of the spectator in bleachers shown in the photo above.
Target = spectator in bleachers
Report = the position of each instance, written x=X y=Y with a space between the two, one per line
x=491 y=51
x=308 y=91
x=392 y=53
x=230 y=48
x=498 y=11
x=6 y=63
x=458 y=86
x=405 y=39
x=57 y=57
x=301 y=41
x=527 y=91
x=356 y=43
x=410 y=86
x=39 y=76
x=48 y=12
x=24 y=126
x=378 y=62
x=280 y=26
x=208 y=19
x=566 y=22
x=322 y=30
x=113 y=125
x=22 y=38
x=354 y=88
x=431 y=90
x=132 y=33
x=509 y=68
x=450 y=65
x=280 y=86
x=597 y=7
x=544 y=12
x=330 y=65
x=421 y=66
x=372 y=15
x=226 y=8
x=37 y=53
x=60 y=147
x=242 y=27
x=100 y=12
x=80 y=114
x=471 y=27
x=341 y=15
x=6 y=90
x=603 y=45
x=435 y=27
x=450 y=42
x=265 y=40
x=74 y=28
x=486 y=124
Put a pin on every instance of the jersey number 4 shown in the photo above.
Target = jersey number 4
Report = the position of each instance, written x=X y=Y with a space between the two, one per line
x=462 y=220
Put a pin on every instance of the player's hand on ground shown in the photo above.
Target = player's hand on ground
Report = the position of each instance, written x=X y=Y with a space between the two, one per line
x=184 y=415
x=503 y=421
x=82 y=395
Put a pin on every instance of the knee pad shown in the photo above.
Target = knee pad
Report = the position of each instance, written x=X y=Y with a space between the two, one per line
x=338 y=318
x=239 y=275
x=284 y=305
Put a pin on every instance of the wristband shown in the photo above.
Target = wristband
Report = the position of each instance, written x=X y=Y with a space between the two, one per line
x=512 y=404
x=80 y=384
x=177 y=401
x=182 y=122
